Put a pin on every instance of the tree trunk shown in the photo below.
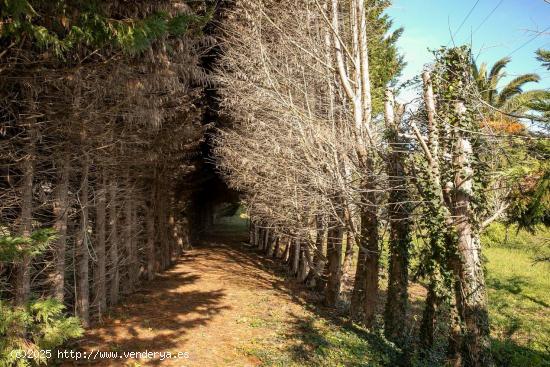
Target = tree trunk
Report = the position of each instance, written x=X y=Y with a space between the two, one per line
x=177 y=238
x=317 y=279
x=296 y=256
x=257 y=235
x=395 y=313
x=334 y=265
x=150 y=219
x=23 y=267
x=128 y=237
x=271 y=245
x=471 y=297
x=113 y=239
x=161 y=225
x=305 y=264
x=365 y=292
x=358 y=294
x=286 y=254
x=429 y=316
x=134 y=241
x=261 y=238
x=170 y=222
x=60 y=211
x=100 y=268
x=348 y=257
x=251 y=232
x=276 y=248
x=83 y=286
x=372 y=260
x=267 y=240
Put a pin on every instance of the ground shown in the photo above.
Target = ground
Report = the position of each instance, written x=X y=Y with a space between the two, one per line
x=519 y=295
x=211 y=304
x=227 y=305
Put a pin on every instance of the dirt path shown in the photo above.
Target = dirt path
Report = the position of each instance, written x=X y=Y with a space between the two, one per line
x=216 y=302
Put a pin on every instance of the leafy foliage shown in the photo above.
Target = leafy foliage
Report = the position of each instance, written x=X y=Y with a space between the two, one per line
x=63 y=26
x=531 y=202
x=13 y=247
x=40 y=324
x=385 y=62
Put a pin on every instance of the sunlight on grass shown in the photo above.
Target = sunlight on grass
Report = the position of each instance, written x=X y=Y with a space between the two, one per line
x=519 y=297
x=518 y=306
x=318 y=342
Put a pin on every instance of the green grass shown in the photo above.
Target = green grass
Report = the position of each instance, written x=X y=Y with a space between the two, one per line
x=519 y=308
x=316 y=342
x=519 y=296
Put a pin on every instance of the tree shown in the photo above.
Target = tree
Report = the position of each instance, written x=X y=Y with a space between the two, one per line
x=544 y=57
x=457 y=200
x=311 y=103
x=99 y=109
x=504 y=102
x=36 y=325
x=400 y=218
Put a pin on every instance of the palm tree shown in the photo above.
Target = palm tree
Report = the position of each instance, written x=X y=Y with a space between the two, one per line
x=542 y=104
x=544 y=57
x=511 y=98
x=530 y=198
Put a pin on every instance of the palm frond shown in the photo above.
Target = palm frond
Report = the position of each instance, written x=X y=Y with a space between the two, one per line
x=495 y=75
x=498 y=67
x=514 y=87
x=544 y=57
x=480 y=77
x=520 y=103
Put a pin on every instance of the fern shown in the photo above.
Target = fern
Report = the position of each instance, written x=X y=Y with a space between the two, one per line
x=39 y=325
x=12 y=248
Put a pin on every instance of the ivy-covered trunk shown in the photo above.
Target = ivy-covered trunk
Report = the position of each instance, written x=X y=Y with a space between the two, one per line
x=455 y=203
x=471 y=296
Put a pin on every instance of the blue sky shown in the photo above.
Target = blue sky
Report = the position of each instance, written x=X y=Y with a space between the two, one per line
x=509 y=27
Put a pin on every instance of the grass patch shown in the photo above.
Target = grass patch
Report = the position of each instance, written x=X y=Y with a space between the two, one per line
x=519 y=308
x=519 y=301
x=314 y=341
x=501 y=236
